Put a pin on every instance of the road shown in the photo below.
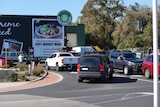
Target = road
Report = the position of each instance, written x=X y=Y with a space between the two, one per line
x=121 y=91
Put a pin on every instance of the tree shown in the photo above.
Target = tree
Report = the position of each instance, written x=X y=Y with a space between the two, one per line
x=99 y=18
x=134 y=29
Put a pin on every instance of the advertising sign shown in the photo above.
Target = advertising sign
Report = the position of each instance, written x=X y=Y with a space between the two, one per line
x=12 y=46
x=44 y=33
x=16 y=30
x=47 y=36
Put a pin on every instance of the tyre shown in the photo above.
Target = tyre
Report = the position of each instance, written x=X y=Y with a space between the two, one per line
x=80 y=80
x=105 y=78
x=57 y=67
x=110 y=75
x=147 y=73
x=125 y=70
x=47 y=67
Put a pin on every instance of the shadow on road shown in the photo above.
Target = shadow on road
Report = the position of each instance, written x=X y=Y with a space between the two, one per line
x=121 y=80
x=115 y=80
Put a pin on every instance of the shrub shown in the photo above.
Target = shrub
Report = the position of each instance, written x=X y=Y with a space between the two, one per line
x=22 y=77
x=27 y=74
x=38 y=70
x=13 y=77
x=21 y=67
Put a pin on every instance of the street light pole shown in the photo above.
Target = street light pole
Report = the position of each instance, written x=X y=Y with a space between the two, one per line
x=155 y=51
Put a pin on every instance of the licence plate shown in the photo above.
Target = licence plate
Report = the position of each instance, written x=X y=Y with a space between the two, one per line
x=85 y=69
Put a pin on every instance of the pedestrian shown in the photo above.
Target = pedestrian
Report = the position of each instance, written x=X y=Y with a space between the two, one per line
x=20 y=58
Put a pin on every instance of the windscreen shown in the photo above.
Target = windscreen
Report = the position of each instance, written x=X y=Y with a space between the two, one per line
x=130 y=56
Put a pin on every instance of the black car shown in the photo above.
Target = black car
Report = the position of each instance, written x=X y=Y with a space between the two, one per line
x=125 y=61
x=94 y=66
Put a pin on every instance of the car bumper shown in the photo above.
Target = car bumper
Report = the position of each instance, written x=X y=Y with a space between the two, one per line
x=136 y=68
x=90 y=75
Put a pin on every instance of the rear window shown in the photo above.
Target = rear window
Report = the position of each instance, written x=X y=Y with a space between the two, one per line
x=65 y=55
x=90 y=60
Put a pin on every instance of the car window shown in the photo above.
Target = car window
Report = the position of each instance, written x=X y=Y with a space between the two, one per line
x=129 y=55
x=53 y=56
x=113 y=54
x=149 y=59
x=13 y=55
x=90 y=61
x=65 y=55
x=4 y=54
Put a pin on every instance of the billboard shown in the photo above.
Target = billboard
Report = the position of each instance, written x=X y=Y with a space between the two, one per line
x=47 y=36
x=43 y=33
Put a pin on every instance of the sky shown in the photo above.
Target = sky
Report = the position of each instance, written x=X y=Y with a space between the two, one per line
x=52 y=7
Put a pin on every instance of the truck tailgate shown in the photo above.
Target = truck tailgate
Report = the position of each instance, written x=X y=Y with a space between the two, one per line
x=70 y=60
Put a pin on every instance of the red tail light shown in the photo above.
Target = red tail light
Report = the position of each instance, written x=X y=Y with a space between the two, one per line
x=78 y=67
x=62 y=60
x=101 y=68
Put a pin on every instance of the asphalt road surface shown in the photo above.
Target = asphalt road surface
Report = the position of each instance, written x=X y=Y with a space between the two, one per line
x=121 y=91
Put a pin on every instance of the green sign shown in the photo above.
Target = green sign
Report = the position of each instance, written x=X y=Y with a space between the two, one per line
x=64 y=17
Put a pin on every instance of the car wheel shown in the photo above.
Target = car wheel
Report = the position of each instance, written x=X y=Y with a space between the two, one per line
x=57 y=67
x=80 y=80
x=47 y=67
x=126 y=70
x=105 y=77
x=147 y=73
x=110 y=73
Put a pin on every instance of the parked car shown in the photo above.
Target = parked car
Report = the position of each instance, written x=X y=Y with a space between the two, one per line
x=2 y=61
x=125 y=61
x=147 y=66
x=94 y=66
x=12 y=57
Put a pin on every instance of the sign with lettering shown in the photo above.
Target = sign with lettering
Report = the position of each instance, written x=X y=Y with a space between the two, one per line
x=48 y=36
x=44 y=33
x=6 y=45
x=8 y=27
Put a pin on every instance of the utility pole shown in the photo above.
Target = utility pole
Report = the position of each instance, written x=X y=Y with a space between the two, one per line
x=155 y=52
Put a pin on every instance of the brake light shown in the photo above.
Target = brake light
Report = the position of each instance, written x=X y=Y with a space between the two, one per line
x=62 y=60
x=78 y=67
x=101 y=68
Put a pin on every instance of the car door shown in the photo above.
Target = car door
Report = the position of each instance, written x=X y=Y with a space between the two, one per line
x=159 y=65
x=51 y=60
x=119 y=63
x=149 y=63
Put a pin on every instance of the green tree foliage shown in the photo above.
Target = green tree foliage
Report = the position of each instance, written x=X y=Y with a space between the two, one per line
x=134 y=29
x=109 y=24
x=99 y=18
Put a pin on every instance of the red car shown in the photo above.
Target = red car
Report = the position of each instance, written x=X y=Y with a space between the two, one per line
x=147 y=66
x=2 y=61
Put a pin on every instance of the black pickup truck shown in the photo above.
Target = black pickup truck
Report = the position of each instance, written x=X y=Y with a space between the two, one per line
x=127 y=64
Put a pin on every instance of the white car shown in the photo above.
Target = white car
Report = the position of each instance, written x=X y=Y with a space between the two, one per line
x=61 y=60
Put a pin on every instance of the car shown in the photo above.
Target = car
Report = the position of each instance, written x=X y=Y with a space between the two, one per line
x=125 y=61
x=12 y=57
x=147 y=66
x=94 y=66
x=61 y=61
x=2 y=61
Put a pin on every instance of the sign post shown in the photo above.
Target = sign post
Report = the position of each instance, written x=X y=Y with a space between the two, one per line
x=31 y=55
x=6 y=46
x=155 y=52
